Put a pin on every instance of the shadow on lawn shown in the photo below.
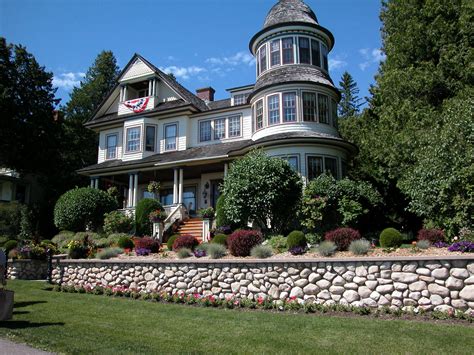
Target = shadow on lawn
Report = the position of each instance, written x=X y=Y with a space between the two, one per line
x=26 y=304
x=21 y=312
x=22 y=324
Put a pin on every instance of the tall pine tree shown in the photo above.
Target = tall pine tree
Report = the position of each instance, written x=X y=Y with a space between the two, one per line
x=350 y=103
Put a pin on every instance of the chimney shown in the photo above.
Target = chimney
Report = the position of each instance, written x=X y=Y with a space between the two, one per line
x=206 y=94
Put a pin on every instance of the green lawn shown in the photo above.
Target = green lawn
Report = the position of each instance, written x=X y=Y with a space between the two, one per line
x=80 y=323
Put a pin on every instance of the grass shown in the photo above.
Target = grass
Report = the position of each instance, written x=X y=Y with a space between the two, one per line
x=79 y=323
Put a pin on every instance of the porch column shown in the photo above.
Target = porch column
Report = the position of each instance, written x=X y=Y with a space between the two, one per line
x=96 y=183
x=226 y=168
x=130 y=190
x=150 y=87
x=135 y=190
x=92 y=182
x=180 y=194
x=175 y=187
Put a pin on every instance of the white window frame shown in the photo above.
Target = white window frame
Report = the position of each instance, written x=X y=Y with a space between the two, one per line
x=210 y=131
x=279 y=53
x=140 y=129
x=239 y=117
x=283 y=106
x=240 y=99
x=107 y=136
x=216 y=138
x=323 y=158
x=155 y=128
x=328 y=111
x=259 y=59
x=262 y=101
x=165 y=147
x=316 y=116
x=278 y=109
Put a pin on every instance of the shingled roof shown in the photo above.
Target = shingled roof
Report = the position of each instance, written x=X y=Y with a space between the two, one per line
x=288 y=11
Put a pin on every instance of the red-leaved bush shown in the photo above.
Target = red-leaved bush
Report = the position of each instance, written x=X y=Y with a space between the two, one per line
x=242 y=241
x=185 y=241
x=432 y=235
x=342 y=237
x=147 y=243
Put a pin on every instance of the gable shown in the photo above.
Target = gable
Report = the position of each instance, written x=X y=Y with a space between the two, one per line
x=136 y=70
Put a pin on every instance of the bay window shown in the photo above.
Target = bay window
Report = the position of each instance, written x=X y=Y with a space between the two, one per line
x=205 y=131
x=289 y=107
x=292 y=161
x=111 y=146
x=259 y=114
x=273 y=109
x=275 y=57
x=171 y=133
x=323 y=108
x=309 y=107
x=304 y=50
x=219 y=128
x=288 y=55
x=133 y=139
x=150 y=138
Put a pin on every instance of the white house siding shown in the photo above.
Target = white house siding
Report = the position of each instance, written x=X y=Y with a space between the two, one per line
x=135 y=155
x=165 y=93
x=136 y=70
x=182 y=122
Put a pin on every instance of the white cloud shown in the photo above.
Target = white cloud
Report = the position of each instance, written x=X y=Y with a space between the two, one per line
x=239 y=58
x=183 y=72
x=67 y=81
x=335 y=64
x=371 y=56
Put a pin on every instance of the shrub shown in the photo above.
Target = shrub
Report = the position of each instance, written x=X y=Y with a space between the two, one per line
x=84 y=207
x=142 y=214
x=78 y=249
x=313 y=238
x=359 y=247
x=117 y=222
x=207 y=213
x=423 y=244
x=109 y=253
x=200 y=252
x=278 y=243
x=464 y=247
x=297 y=250
x=125 y=242
x=3 y=239
x=63 y=238
x=10 y=245
x=15 y=220
x=142 y=251
x=102 y=243
x=184 y=253
x=242 y=241
x=220 y=239
x=466 y=234
x=89 y=236
x=185 y=241
x=171 y=240
x=147 y=243
x=221 y=218
x=216 y=251
x=261 y=252
x=432 y=235
x=296 y=239
x=327 y=248
x=390 y=238
x=342 y=237
x=260 y=188
x=115 y=237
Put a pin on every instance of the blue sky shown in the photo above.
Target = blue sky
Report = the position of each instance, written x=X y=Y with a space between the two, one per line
x=202 y=42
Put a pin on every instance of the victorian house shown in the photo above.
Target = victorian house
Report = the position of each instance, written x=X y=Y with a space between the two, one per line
x=153 y=129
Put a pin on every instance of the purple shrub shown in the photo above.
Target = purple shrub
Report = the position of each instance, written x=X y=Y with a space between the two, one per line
x=142 y=251
x=463 y=247
x=297 y=250
x=440 y=244
x=199 y=253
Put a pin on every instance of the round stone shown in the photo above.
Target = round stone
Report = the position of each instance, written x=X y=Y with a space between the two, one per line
x=439 y=290
x=467 y=293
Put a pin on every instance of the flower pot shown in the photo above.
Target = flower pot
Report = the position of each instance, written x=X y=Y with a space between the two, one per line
x=6 y=305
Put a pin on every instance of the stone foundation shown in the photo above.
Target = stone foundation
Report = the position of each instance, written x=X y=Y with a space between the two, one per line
x=427 y=283
x=25 y=269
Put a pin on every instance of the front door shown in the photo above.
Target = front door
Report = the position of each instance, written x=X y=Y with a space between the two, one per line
x=215 y=192
x=189 y=199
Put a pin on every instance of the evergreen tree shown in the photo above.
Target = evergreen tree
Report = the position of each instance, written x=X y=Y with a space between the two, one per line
x=350 y=102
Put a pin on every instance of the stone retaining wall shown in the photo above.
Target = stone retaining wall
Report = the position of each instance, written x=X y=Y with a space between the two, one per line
x=25 y=269
x=431 y=284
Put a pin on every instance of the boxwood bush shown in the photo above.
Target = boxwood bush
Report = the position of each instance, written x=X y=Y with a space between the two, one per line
x=171 y=240
x=390 y=238
x=296 y=239
x=83 y=207
x=125 y=242
x=241 y=242
x=342 y=237
x=220 y=239
x=142 y=213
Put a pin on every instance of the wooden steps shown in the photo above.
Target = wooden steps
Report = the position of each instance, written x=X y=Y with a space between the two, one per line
x=192 y=226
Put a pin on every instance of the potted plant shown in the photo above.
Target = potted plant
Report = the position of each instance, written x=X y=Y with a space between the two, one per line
x=153 y=187
x=157 y=216
x=207 y=213
x=6 y=296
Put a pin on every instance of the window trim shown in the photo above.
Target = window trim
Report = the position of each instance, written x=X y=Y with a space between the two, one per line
x=154 y=140
x=328 y=111
x=116 y=134
x=213 y=124
x=176 y=137
x=278 y=95
x=140 y=144
x=322 y=156
x=309 y=49
x=283 y=108
x=228 y=126
x=279 y=52
x=316 y=115
x=290 y=155
x=262 y=100
x=293 y=49
x=199 y=130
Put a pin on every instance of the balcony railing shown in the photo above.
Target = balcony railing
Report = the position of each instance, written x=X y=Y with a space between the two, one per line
x=137 y=105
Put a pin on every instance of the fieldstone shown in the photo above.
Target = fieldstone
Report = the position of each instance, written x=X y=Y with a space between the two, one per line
x=283 y=295
x=404 y=277
x=301 y=282
x=296 y=292
x=469 y=281
x=293 y=271
x=433 y=265
x=385 y=274
x=348 y=275
x=359 y=280
x=397 y=294
x=373 y=269
x=417 y=286
x=443 y=308
x=364 y=291
x=425 y=293
x=323 y=284
x=149 y=276
x=470 y=268
x=324 y=294
x=338 y=281
x=108 y=277
x=336 y=290
x=383 y=289
x=274 y=292
x=428 y=279
x=423 y=301
x=371 y=284
x=253 y=288
x=396 y=267
x=459 y=304
x=454 y=283
x=375 y=295
x=305 y=272
x=361 y=271
x=351 y=286
x=415 y=295
x=329 y=276
x=409 y=302
x=216 y=290
x=467 y=293
x=313 y=277
x=441 y=273
x=369 y=302
x=410 y=267
x=152 y=286
x=384 y=281
x=169 y=273
x=339 y=268
x=397 y=303
x=182 y=285
x=383 y=301
x=436 y=300
x=439 y=290
x=400 y=286
x=350 y=296
x=311 y=289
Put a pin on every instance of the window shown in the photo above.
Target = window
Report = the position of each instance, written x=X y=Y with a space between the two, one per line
x=150 y=134
x=288 y=55
x=324 y=50
x=293 y=161
x=166 y=197
x=234 y=126
x=240 y=99
x=309 y=106
x=219 y=128
x=275 y=53
x=330 y=166
x=315 y=53
x=273 y=109
x=259 y=115
x=304 y=50
x=205 y=131
x=315 y=167
x=263 y=59
x=323 y=107
x=334 y=113
x=111 y=146
x=133 y=139
x=143 y=93
x=171 y=132
x=289 y=107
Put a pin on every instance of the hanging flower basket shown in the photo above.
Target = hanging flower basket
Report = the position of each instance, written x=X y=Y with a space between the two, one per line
x=157 y=216
x=153 y=187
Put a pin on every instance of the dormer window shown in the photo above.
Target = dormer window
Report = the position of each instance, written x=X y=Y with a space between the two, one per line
x=240 y=99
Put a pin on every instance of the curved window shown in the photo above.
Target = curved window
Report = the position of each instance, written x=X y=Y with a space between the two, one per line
x=323 y=109
x=259 y=114
x=289 y=107
x=304 y=50
x=275 y=53
x=309 y=107
x=315 y=53
x=273 y=109
x=263 y=58
x=288 y=55
x=324 y=50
